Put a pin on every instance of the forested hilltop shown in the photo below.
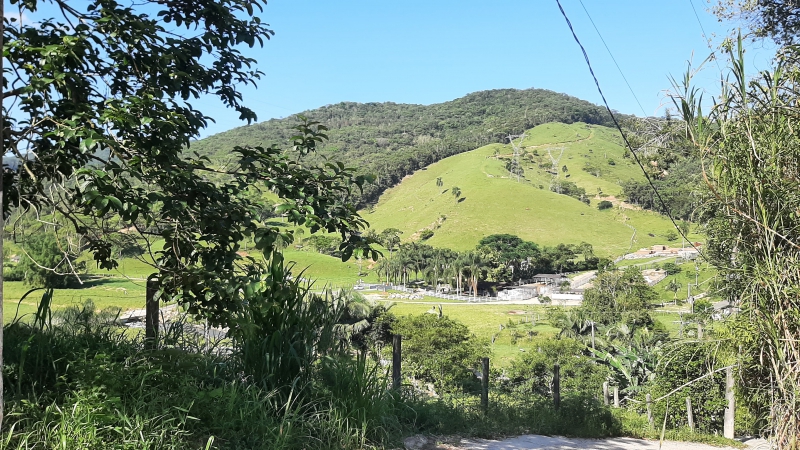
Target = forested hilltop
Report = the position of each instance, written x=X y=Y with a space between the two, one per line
x=392 y=140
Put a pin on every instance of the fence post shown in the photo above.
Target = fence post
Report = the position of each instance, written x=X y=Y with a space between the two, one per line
x=485 y=385
x=689 y=414
x=616 y=396
x=151 y=314
x=727 y=428
x=556 y=386
x=700 y=330
x=397 y=353
x=649 y=401
x=606 y=400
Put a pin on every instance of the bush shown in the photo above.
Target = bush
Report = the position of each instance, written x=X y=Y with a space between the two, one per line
x=49 y=263
x=84 y=381
x=533 y=371
x=282 y=329
x=325 y=244
x=440 y=350
x=671 y=268
x=671 y=236
x=605 y=204
x=568 y=188
x=681 y=364
x=426 y=234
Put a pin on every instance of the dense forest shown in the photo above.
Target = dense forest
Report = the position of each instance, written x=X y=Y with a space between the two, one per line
x=392 y=140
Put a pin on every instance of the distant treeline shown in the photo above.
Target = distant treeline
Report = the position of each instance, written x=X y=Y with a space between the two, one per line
x=393 y=140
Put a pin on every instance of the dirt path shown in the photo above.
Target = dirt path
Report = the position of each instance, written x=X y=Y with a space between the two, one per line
x=534 y=442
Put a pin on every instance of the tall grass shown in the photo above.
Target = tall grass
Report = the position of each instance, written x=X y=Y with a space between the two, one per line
x=81 y=382
x=750 y=144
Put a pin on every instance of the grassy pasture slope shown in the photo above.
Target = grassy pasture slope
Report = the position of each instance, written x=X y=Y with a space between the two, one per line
x=495 y=203
x=123 y=288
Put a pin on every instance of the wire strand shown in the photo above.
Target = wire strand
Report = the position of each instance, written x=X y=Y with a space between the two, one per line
x=622 y=133
x=612 y=58
x=705 y=36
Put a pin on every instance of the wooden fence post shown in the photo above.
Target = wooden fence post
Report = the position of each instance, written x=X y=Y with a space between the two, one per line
x=649 y=401
x=727 y=427
x=616 y=396
x=606 y=399
x=151 y=311
x=397 y=353
x=700 y=330
x=556 y=386
x=485 y=385
x=689 y=414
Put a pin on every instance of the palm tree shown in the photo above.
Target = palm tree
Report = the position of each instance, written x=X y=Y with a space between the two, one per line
x=458 y=267
x=674 y=286
x=456 y=191
x=356 y=325
x=475 y=265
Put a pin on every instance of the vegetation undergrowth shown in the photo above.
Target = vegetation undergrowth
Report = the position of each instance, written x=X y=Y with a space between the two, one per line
x=80 y=383
x=77 y=380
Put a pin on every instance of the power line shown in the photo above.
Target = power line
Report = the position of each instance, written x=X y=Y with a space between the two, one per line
x=613 y=59
x=705 y=36
x=622 y=133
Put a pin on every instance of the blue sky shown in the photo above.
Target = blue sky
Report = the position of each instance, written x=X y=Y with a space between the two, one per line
x=431 y=51
x=424 y=51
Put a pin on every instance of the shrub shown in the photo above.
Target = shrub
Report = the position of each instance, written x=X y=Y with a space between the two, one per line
x=681 y=364
x=45 y=263
x=84 y=381
x=671 y=268
x=282 y=328
x=533 y=371
x=440 y=350
x=605 y=204
x=426 y=234
x=325 y=244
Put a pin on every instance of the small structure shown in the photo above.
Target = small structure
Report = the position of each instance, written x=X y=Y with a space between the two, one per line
x=653 y=276
x=550 y=279
x=686 y=253
x=517 y=294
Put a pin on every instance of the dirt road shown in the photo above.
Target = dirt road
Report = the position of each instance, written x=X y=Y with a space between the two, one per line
x=533 y=442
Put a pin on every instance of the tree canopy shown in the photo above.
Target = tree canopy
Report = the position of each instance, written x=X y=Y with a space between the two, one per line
x=101 y=94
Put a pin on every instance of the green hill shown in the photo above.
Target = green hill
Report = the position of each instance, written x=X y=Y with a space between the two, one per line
x=493 y=201
x=393 y=140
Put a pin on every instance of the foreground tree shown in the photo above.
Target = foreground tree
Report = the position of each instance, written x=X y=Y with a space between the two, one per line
x=778 y=20
x=751 y=149
x=100 y=93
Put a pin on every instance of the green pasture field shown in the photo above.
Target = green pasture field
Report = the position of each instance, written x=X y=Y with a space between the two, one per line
x=485 y=319
x=705 y=279
x=103 y=292
x=492 y=202
x=124 y=288
x=327 y=270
